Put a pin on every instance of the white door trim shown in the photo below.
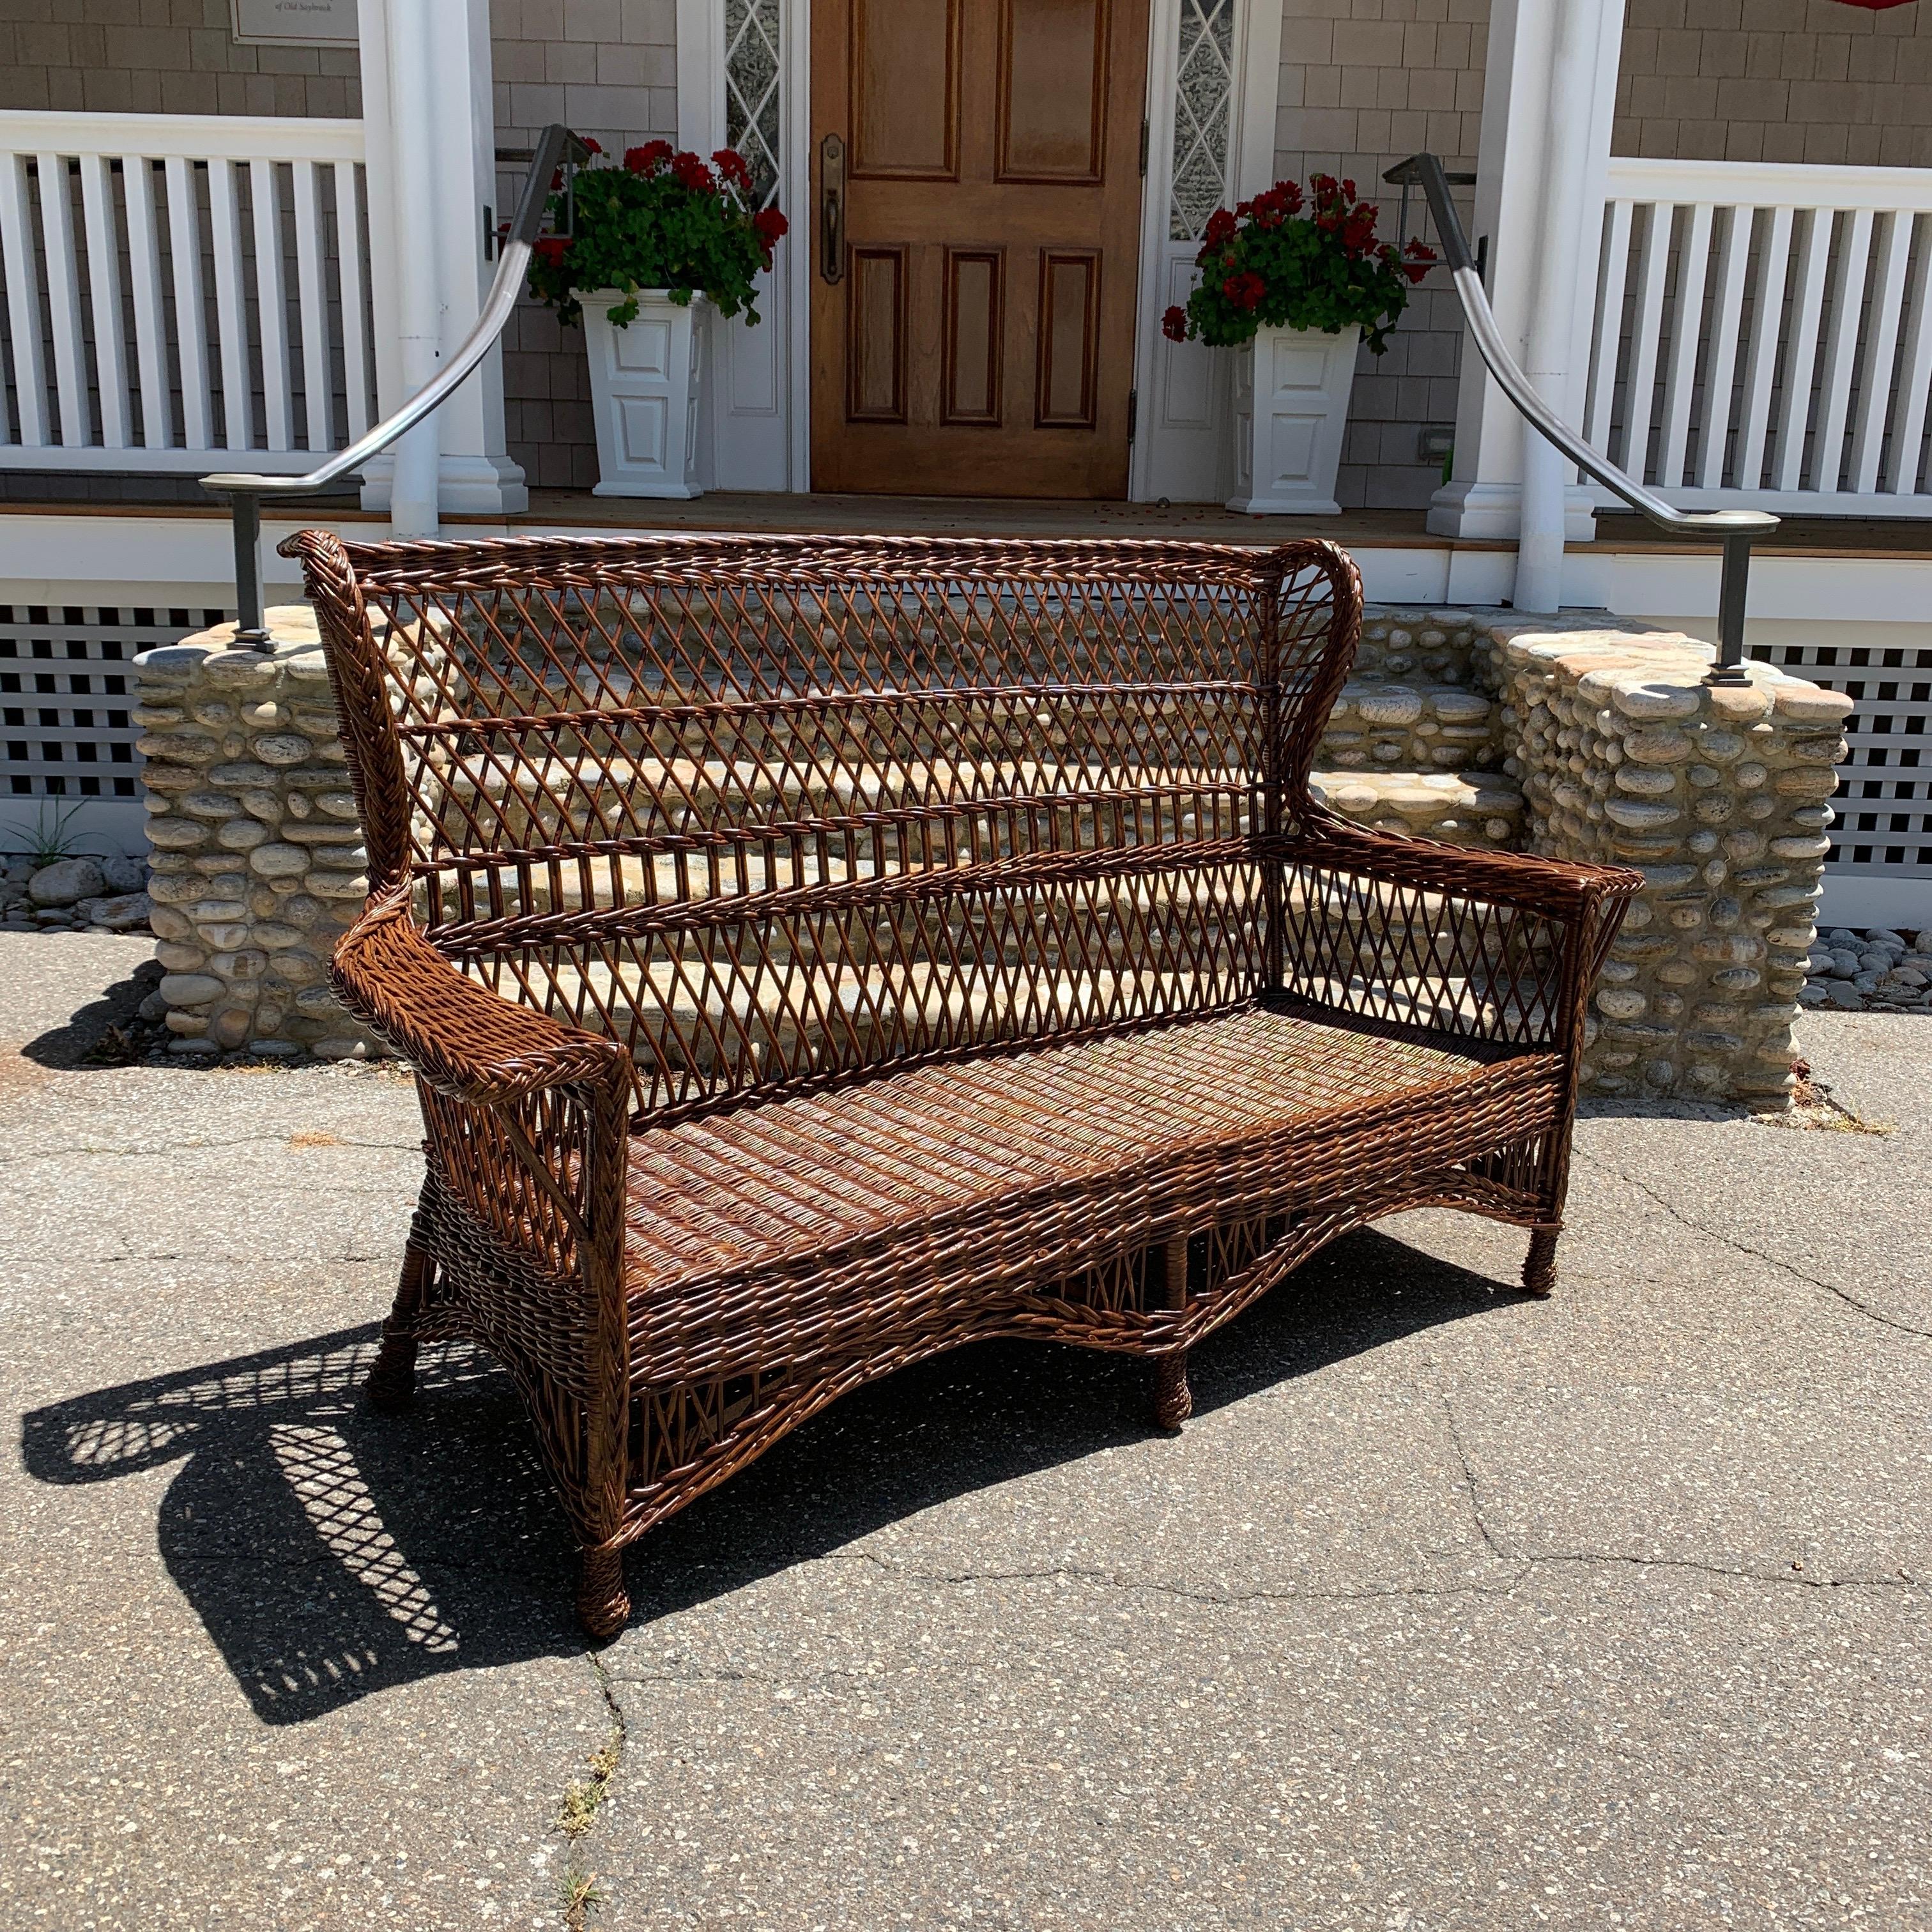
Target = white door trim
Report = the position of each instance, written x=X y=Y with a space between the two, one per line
x=1184 y=448
x=766 y=444
x=744 y=460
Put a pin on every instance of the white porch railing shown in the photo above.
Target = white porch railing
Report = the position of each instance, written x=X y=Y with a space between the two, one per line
x=182 y=287
x=1762 y=335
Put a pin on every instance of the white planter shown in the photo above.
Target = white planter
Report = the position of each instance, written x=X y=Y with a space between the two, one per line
x=1291 y=407
x=644 y=385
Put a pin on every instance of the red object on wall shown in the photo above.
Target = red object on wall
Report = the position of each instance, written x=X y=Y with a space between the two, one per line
x=1875 y=6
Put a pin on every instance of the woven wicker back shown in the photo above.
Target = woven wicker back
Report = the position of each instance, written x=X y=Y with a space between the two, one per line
x=781 y=810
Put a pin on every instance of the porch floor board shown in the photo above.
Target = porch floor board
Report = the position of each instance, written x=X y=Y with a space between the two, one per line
x=1897 y=538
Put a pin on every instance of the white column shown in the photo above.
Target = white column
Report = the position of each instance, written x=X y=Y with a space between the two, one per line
x=1547 y=101
x=413 y=479
x=429 y=130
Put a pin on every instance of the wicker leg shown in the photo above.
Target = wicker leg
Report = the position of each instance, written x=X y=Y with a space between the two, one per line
x=391 y=1386
x=1173 y=1400
x=603 y=1603
x=1539 y=1271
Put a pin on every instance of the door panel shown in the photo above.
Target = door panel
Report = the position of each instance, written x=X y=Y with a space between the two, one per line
x=1053 y=71
x=974 y=328
x=875 y=336
x=904 y=57
x=1068 y=310
x=973 y=301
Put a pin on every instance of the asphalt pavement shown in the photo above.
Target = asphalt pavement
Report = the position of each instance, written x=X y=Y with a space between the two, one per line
x=1448 y=1609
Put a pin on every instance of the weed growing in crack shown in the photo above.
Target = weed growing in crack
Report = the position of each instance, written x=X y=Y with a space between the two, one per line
x=584 y=1796
x=1813 y=1110
x=577 y=1894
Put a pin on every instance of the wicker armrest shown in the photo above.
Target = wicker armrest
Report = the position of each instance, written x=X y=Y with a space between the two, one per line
x=1558 y=888
x=465 y=1040
x=1503 y=945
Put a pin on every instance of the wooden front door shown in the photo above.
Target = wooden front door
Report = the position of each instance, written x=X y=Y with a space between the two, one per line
x=975 y=175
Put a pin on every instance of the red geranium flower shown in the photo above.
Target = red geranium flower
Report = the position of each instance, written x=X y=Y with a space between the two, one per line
x=1421 y=255
x=1245 y=290
x=693 y=173
x=593 y=145
x=772 y=227
x=1272 y=204
x=731 y=165
x=1357 y=233
x=1174 y=324
x=552 y=248
x=1220 y=226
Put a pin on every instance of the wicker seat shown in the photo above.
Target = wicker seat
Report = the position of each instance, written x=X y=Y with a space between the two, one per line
x=816 y=954
x=755 y=1190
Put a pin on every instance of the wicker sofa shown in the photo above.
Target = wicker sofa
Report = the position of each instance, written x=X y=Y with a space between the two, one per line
x=817 y=953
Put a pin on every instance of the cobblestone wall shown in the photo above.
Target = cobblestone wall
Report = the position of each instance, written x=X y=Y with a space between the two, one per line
x=258 y=858
x=1719 y=794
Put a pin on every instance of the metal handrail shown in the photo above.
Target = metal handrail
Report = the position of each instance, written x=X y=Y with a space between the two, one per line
x=1736 y=529
x=555 y=146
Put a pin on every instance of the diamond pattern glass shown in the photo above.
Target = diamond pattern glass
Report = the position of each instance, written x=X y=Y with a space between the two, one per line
x=751 y=90
x=1203 y=105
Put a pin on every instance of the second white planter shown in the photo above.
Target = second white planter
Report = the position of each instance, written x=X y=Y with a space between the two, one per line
x=1291 y=390
x=645 y=381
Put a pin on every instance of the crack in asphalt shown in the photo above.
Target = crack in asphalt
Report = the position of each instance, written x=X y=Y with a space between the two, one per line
x=1522 y=1563
x=583 y=1802
x=1522 y=1567
x=282 y=1142
x=1468 y=1477
x=1737 y=1247
x=277 y=1257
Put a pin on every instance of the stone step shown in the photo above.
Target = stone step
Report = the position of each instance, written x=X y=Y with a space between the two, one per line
x=1405 y=644
x=1411 y=725
x=1467 y=808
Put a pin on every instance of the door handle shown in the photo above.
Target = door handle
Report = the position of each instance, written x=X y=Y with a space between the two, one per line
x=831 y=208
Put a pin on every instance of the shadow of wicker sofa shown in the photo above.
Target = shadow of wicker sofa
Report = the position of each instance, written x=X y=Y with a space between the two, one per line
x=818 y=953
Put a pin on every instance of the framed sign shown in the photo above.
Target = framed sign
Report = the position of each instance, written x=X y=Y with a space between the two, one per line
x=294 y=23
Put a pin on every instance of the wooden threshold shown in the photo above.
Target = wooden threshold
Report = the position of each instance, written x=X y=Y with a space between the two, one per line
x=855 y=515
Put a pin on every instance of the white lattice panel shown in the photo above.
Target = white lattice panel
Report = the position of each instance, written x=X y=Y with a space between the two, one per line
x=1880 y=870
x=67 y=760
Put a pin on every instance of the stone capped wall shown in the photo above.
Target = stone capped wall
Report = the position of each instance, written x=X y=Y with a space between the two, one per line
x=258 y=859
x=1472 y=809
x=1719 y=795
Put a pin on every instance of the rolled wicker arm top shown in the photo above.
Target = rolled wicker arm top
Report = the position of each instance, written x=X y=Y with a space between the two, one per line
x=463 y=1040
x=1560 y=889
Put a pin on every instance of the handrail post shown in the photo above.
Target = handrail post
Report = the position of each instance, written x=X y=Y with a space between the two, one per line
x=251 y=632
x=1732 y=592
